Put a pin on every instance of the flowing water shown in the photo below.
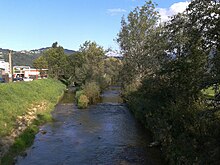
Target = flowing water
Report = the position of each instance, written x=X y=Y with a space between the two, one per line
x=103 y=134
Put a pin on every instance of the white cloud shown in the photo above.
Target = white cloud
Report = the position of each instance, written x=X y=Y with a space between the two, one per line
x=176 y=8
x=116 y=11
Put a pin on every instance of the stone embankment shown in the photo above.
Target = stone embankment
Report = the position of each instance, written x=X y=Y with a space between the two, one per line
x=22 y=122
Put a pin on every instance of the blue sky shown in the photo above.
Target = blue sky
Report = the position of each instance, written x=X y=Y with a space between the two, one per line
x=33 y=24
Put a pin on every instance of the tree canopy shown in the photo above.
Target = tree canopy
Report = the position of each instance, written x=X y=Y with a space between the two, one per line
x=165 y=69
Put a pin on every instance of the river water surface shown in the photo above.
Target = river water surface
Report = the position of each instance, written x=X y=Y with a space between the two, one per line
x=103 y=134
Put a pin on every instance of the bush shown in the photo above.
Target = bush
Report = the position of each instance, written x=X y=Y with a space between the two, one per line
x=78 y=94
x=83 y=101
x=185 y=130
x=104 y=82
x=92 y=91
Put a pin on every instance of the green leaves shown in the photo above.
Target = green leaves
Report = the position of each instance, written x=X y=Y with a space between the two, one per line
x=165 y=68
x=88 y=63
x=55 y=60
x=139 y=38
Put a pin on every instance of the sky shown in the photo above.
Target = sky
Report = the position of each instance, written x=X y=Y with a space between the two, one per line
x=33 y=24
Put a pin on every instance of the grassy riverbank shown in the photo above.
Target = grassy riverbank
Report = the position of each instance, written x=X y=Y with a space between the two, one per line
x=19 y=100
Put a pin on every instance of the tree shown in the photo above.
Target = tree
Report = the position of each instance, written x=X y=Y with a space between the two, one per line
x=41 y=63
x=55 y=45
x=138 y=39
x=88 y=63
x=194 y=45
x=169 y=101
x=204 y=18
x=93 y=56
x=112 y=69
x=57 y=61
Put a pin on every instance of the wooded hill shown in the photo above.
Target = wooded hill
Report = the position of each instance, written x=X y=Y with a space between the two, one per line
x=26 y=57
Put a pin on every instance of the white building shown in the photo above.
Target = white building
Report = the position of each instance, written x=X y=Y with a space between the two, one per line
x=5 y=66
x=27 y=71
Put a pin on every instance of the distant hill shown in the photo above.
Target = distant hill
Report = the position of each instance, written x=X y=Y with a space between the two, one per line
x=66 y=51
x=26 y=57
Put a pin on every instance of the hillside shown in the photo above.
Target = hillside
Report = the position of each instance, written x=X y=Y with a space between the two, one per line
x=25 y=57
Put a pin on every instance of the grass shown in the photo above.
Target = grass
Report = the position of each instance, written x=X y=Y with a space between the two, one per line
x=16 y=98
x=26 y=139
x=21 y=143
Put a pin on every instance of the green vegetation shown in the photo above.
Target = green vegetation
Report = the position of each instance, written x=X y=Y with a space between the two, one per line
x=112 y=69
x=83 y=101
x=26 y=139
x=167 y=69
x=21 y=59
x=21 y=143
x=209 y=92
x=78 y=94
x=88 y=69
x=92 y=91
x=89 y=94
x=88 y=64
x=16 y=98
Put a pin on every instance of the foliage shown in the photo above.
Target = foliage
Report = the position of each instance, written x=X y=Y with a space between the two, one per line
x=83 y=101
x=56 y=61
x=78 y=94
x=92 y=91
x=168 y=98
x=209 y=92
x=138 y=39
x=88 y=63
x=40 y=63
x=112 y=68
x=21 y=59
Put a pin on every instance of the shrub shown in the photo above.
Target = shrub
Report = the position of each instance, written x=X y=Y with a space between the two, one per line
x=83 y=101
x=186 y=130
x=78 y=94
x=92 y=91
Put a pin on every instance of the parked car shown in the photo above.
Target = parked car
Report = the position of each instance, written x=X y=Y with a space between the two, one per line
x=27 y=79
x=18 y=79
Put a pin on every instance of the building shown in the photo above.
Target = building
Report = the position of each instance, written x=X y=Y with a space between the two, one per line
x=4 y=70
x=4 y=66
x=27 y=71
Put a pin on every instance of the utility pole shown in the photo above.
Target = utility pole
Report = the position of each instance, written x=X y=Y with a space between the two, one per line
x=10 y=66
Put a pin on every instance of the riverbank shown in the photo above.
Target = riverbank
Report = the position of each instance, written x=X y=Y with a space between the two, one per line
x=24 y=106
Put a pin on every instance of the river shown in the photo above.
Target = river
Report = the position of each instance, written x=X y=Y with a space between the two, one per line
x=103 y=134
